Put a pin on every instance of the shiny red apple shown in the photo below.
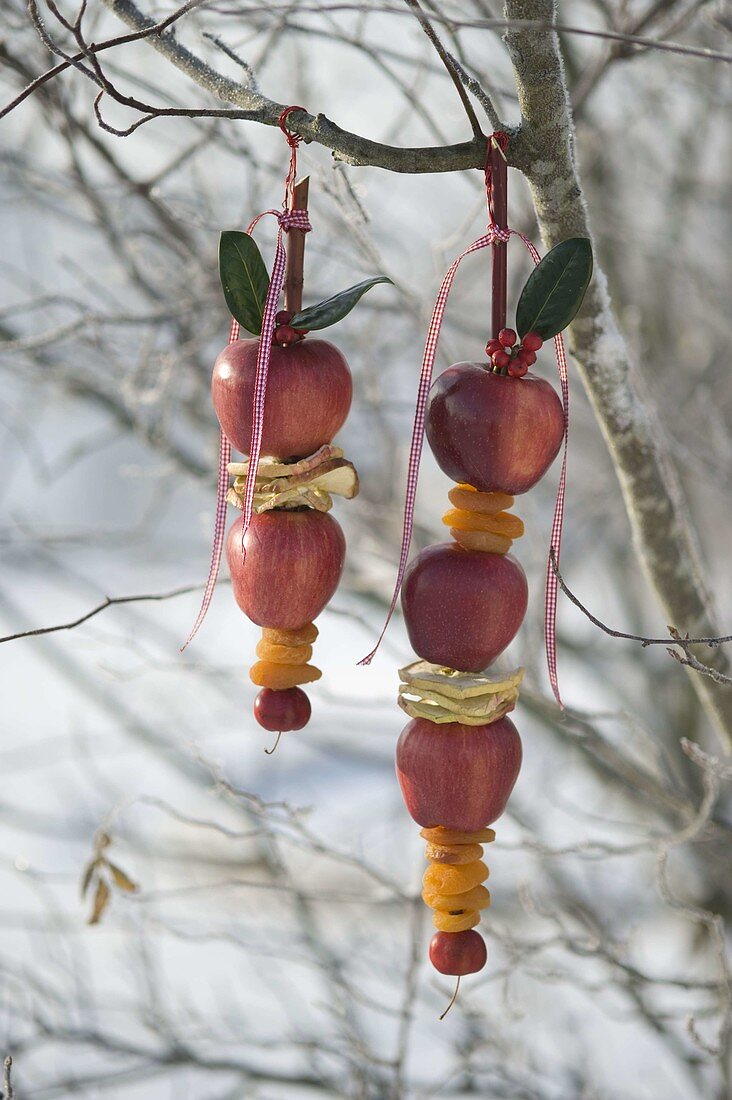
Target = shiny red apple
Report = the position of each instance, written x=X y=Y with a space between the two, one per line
x=456 y=776
x=458 y=953
x=497 y=433
x=309 y=392
x=291 y=569
x=462 y=607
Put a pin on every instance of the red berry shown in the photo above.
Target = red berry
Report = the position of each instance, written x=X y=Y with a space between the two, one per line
x=283 y=317
x=280 y=711
x=526 y=356
x=501 y=359
x=532 y=341
x=284 y=335
x=507 y=337
x=518 y=368
x=458 y=953
x=492 y=346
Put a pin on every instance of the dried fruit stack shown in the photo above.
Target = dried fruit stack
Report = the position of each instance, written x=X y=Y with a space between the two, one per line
x=495 y=429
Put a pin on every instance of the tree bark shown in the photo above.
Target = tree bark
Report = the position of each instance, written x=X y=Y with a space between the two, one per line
x=544 y=150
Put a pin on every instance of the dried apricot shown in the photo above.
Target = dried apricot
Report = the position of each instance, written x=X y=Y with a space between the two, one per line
x=500 y=523
x=456 y=922
x=440 y=835
x=442 y=878
x=268 y=674
x=304 y=635
x=477 y=898
x=465 y=496
x=455 y=854
x=284 y=654
x=484 y=541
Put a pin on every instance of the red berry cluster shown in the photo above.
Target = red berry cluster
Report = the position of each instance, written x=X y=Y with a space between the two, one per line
x=284 y=334
x=507 y=358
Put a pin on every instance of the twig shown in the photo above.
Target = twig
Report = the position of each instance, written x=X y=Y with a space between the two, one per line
x=684 y=642
x=449 y=63
x=8 y=1090
x=108 y=601
x=711 y=642
x=476 y=88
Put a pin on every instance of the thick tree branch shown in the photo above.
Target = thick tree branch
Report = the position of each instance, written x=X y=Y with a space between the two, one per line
x=544 y=150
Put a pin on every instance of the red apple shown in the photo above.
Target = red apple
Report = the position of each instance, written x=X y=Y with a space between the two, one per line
x=497 y=433
x=457 y=776
x=309 y=392
x=458 y=953
x=463 y=607
x=292 y=566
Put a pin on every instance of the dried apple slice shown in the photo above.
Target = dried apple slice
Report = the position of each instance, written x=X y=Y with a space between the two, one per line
x=458 y=685
x=269 y=468
x=418 y=708
x=296 y=497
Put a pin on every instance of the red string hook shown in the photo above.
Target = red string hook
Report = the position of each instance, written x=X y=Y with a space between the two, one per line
x=293 y=140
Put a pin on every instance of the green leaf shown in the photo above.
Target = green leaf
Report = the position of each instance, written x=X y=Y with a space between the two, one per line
x=554 y=291
x=244 y=279
x=326 y=313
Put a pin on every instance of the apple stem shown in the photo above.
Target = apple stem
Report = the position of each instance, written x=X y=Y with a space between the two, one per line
x=270 y=751
x=499 y=210
x=452 y=999
x=296 y=250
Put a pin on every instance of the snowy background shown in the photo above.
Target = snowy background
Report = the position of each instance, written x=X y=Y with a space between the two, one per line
x=276 y=947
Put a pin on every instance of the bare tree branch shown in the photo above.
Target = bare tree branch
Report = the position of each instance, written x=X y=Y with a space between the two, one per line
x=684 y=642
x=108 y=601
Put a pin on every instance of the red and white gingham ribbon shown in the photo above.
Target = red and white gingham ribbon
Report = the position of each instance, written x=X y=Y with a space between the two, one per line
x=287 y=219
x=415 y=453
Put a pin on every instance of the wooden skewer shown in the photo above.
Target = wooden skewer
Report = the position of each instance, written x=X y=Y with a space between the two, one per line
x=296 y=250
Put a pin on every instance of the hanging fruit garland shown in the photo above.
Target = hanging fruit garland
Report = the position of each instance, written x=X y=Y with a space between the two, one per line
x=495 y=429
x=280 y=399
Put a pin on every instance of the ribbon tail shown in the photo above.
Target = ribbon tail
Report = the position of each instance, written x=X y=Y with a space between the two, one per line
x=415 y=453
x=552 y=582
x=219 y=532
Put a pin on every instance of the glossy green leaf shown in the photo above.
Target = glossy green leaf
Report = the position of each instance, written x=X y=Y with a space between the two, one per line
x=244 y=279
x=333 y=309
x=555 y=289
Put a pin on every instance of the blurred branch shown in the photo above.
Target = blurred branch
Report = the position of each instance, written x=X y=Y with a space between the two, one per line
x=108 y=601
